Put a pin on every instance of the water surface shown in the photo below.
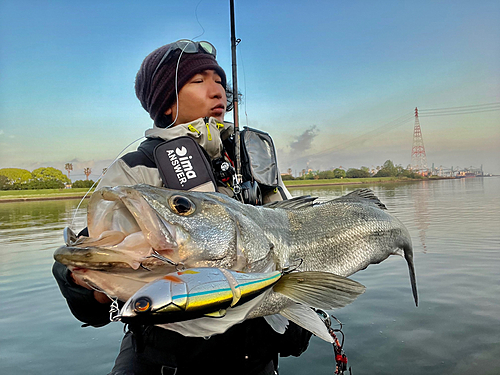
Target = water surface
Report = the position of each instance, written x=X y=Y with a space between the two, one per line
x=455 y=330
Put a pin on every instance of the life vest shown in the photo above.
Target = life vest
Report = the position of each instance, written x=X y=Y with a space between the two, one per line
x=198 y=157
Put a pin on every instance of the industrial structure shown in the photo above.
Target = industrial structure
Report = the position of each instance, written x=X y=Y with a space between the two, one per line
x=418 y=158
x=457 y=171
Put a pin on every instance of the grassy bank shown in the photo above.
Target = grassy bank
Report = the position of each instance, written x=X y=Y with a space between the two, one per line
x=345 y=181
x=24 y=195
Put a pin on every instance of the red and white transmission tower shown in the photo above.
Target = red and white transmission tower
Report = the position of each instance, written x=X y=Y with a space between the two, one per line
x=418 y=158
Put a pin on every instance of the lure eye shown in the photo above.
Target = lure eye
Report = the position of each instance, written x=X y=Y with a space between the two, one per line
x=181 y=205
x=142 y=304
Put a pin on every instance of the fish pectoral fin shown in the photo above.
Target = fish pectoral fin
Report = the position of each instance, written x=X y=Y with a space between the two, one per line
x=323 y=290
x=216 y=314
x=308 y=319
x=277 y=322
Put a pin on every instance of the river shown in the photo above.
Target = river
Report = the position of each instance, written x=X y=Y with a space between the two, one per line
x=455 y=228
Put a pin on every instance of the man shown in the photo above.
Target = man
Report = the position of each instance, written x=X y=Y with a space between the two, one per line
x=183 y=89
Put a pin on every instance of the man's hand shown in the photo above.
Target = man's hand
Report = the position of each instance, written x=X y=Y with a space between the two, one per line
x=99 y=296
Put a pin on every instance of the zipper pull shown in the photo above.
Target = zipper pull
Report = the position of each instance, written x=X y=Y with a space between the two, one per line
x=209 y=135
x=193 y=129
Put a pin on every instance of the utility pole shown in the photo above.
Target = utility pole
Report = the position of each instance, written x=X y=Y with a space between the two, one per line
x=418 y=158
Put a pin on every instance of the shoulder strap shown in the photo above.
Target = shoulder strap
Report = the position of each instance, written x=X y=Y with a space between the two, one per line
x=148 y=146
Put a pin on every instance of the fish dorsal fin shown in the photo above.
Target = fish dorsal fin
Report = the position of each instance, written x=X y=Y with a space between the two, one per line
x=361 y=195
x=293 y=203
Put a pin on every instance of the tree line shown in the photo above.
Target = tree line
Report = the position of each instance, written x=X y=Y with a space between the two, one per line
x=389 y=169
x=40 y=178
x=52 y=178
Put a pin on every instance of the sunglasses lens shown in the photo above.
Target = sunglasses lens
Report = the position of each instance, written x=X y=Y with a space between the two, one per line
x=208 y=48
x=187 y=46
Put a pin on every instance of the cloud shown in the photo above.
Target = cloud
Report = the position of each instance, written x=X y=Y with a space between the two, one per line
x=295 y=155
x=303 y=142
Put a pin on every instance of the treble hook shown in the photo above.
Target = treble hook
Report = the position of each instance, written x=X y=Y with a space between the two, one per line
x=292 y=267
x=155 y=254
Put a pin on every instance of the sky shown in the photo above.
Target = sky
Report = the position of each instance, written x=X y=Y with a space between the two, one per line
x=334 y=82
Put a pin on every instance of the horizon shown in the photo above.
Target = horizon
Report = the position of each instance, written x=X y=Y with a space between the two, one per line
x=334 y=84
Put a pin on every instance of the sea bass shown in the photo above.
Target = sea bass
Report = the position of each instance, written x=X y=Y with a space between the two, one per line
x=165 y=230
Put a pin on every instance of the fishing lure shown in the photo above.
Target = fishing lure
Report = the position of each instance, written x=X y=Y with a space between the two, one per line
x=193 y=293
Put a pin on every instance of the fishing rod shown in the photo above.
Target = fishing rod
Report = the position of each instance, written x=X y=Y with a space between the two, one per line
x=237 y=156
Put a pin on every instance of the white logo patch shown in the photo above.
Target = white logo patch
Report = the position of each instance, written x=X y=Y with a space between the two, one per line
x=181 y=163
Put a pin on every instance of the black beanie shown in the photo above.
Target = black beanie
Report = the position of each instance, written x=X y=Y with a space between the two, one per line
x=158 y=96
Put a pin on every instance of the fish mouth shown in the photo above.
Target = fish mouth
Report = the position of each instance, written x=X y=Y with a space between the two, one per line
x=125 y=231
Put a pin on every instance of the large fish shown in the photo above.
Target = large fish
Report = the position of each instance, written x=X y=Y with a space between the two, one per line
x=163 y=230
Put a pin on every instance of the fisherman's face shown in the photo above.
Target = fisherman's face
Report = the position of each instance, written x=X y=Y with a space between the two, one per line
x=202 y=96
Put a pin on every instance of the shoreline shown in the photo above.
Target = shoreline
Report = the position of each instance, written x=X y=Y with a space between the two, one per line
x=364 y=182
x=48 y=198
x=288 y=186
x=347 y=183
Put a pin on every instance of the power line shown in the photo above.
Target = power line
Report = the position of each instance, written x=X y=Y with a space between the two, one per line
x=464 y=106
x=459 y=112
x=463 y=110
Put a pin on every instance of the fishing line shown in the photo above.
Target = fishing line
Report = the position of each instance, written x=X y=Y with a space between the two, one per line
x=154 y=131
x=197 y=20
x=176 y=82
x=244 y=82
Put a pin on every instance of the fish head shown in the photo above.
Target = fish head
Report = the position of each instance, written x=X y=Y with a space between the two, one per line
x=129 y=224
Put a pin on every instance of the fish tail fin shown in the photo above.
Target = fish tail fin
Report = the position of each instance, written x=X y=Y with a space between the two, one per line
x=319 y=289
x=408 y=254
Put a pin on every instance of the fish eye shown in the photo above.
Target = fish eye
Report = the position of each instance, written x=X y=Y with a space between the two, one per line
x=142 y=304
x=181 y=205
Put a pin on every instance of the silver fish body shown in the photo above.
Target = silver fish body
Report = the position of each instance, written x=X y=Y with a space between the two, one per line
x=193 y=229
